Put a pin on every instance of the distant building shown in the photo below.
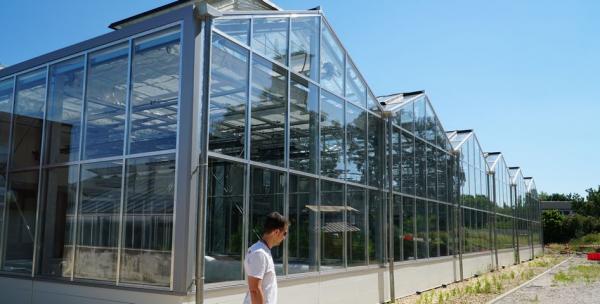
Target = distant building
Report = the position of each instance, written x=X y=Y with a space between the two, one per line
x=564 y=207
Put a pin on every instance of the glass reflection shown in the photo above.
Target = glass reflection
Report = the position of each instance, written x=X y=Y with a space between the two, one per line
x=304 y=124
x=224 y=226
x=269 y=111
x=356 y=90
x=238 y=29
x=356 y=139
x=303 y=231
x=356 y=232
x=408 y=228
x=332 y=136
x=65 y=98
x=332 y=62
x=375 y=150
x=377 y=220
x=148 y=220
x=332 y=225
x=304 y=44
x=270 y=38
x=228 y=97
x=6 y=98
x=154 y=92
x=106 y=96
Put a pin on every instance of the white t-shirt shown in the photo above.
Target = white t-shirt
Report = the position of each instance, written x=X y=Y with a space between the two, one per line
x=259 y=264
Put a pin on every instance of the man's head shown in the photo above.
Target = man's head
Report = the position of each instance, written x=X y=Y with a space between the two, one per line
x=275 y=228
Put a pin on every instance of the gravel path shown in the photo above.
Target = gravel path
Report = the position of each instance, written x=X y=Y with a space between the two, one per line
x=545 y=290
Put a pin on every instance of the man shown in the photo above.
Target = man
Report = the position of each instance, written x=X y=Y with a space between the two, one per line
x=259 y=266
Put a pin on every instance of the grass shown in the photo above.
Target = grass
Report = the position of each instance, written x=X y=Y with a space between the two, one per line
x=586 y=243
x=578 y=273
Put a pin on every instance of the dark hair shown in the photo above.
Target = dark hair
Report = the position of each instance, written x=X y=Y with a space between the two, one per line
x=274 y=221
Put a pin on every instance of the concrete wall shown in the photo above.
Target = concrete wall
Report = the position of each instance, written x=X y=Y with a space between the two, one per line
x=477 y=263
x=506 y=257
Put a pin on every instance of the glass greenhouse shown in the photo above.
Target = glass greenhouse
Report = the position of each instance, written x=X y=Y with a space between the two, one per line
x=125 y=157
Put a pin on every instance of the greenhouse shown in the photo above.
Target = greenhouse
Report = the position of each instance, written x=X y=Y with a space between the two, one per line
x=138 y=166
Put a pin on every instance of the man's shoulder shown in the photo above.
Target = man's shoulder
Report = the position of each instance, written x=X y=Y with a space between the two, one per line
x=258 y=248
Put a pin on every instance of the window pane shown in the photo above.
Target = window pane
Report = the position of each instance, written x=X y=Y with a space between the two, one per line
x=372 y=102
x=27 y=124
x=266 y=195
x=431 y=172
x=270 y=38
x=407 y=155
x=408 y=227
x=375 y=149
x=224 y=226
x=443 y=229
x=421 y=237
x=155 y=92
x=398 y=235
x=332 y=225
x=56 y=250
x=302 y=239
x=20 y=226
x=442 y=181
x=305 y=46
x=407 y=117
x=228 y=97
x=304 y=124
x=148 y=220
x=98 y=221
x=6 y=97
x=376 y=226
x=433 y=238
x=269 y=109
x=420 y=119
x=238 y=29
x=106 y=96
x=356 y=226
x=356 y=140
x=421 y=167
x=396 y=158
x=356 y=90
x=332 y=136
x=63 y=124
x=332 y=62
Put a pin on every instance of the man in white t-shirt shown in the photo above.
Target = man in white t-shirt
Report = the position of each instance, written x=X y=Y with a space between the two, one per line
x=259 y=266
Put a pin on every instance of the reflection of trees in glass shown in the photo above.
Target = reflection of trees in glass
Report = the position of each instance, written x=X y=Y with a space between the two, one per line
x=332 y=136
x=356 y=139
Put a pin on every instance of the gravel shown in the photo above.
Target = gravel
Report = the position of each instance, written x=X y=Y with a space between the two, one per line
x=545 y=290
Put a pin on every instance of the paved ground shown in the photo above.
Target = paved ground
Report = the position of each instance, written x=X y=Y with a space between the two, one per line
x=545 y=290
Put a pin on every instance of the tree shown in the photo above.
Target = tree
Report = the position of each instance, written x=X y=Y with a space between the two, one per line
x=553 y=224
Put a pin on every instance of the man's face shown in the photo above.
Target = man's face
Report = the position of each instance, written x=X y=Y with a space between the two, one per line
x=281 y=234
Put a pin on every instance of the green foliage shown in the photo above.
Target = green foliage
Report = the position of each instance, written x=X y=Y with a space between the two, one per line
x=559 y=228
x=582 y=273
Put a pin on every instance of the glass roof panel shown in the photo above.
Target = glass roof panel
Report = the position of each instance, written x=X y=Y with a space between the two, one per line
x=238 y=29
x=269 y=37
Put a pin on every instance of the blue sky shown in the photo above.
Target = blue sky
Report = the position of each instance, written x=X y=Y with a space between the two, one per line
x=524 y=74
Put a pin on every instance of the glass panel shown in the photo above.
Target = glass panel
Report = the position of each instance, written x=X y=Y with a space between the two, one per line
x=29 y=115
x=430 y=126
x=98 y=221
x=155 y=92
x=332 y=136
x=22 y=206
x=266 y=195
x=398 y=236
x=443 y=229
x=442 y=182
x=58 y=221
x=434 y=238
x=106 y=96
x=356 y=139
x=420 y=118
x=304 y=44
x=407 y=117
x=356 y=226
x=332 y=225
x=372 y=102
x=270 y=38
x=431 y=172
x=396 y=159
x=376 y=226
x=303 y=231
x=332 y=62
x=375 y=149
x=408 y=228
x=304 y=125
x=356 y=90
x=238 y=29
x=224 y=226
x=148 y=220
x=407 y=156
x=421 y=167
x=421 y=237
x=6 y=98
x=269 y=109
x=228 y=97
x=63 y=124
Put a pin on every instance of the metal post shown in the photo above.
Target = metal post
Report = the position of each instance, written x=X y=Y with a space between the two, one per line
x=390 y=207
x=205 y=13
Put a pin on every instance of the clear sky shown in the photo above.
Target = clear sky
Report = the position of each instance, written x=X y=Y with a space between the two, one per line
x=525 y=75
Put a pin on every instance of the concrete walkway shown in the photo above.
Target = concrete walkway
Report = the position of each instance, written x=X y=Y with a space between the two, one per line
x=544 y=290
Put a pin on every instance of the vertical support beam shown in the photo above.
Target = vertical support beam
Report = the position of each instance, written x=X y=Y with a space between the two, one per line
x=187 y=166
x=3 y=232
x=205 y=13
x=492 y=183
x=390 y=159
